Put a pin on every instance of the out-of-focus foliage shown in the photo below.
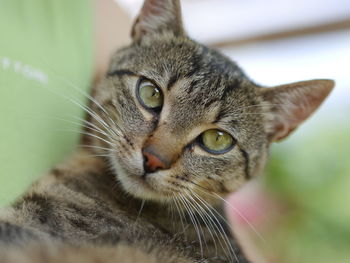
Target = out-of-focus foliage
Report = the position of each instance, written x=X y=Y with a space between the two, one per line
x=311 y=174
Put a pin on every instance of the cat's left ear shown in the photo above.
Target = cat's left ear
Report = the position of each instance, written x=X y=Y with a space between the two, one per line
x=293 y=103
x=158 y=17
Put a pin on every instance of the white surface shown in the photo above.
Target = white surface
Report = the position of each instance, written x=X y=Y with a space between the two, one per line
x=281 y=61
x=320 y=56
x=212 y=21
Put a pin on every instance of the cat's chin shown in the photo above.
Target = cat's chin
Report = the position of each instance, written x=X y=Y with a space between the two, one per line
x=143 y=187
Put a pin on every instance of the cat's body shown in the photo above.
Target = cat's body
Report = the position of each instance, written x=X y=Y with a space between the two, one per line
x=177 y=127
x=79 y=208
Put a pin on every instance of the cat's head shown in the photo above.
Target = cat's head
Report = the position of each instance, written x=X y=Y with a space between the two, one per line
x=181 y=118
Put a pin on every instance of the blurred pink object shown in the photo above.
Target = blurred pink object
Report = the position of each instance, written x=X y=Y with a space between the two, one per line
x=253 y=212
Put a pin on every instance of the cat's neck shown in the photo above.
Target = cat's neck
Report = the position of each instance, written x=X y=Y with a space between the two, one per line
x=102 y=184
x=98 y=182
x=170 y=217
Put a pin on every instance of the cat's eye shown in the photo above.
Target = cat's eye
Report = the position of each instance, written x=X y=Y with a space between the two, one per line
x=149 y=95
x=216 y=141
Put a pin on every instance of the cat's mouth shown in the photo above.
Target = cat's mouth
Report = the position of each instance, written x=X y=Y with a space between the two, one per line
x=150 y=186
x=141 y=183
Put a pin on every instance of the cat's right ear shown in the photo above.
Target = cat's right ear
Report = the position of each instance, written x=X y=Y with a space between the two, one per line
x=293 y=103
x=158 y=17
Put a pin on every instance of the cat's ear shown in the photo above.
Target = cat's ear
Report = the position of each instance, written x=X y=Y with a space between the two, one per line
x=157 y=17
x=293 y=103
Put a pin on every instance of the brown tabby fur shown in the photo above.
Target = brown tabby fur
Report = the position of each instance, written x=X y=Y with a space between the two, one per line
x=107 y=208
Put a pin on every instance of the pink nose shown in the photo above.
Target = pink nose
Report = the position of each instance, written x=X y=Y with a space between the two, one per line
x=152 y=162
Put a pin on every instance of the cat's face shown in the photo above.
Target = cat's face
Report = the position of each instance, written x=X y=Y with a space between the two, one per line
x=181 y=119
x=200 y=122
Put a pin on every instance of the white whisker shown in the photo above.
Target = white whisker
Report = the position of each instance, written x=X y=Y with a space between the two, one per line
x=96 y=147
x=243 y=217
x=90 y=134
x=217 y=224
x=207 y=222
x=142 y=205
x=181 y=215
x=188 y=209
x=201 y=188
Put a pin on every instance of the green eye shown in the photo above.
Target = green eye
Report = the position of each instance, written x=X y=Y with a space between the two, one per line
x=217 y=141
x=150 y=95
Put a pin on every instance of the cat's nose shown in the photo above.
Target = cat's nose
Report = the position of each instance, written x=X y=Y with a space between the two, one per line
x=152 y=162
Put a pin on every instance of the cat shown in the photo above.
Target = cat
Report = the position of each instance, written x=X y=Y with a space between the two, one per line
x=173 y=128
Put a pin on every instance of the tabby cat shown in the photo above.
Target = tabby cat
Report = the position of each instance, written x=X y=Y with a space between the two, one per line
x=173 y=128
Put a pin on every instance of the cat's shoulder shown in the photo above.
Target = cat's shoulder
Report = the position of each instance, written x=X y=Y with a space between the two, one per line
x=78 y=175
x=89 y=254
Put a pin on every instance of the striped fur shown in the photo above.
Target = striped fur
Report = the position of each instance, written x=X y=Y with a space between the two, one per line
x=106 y=208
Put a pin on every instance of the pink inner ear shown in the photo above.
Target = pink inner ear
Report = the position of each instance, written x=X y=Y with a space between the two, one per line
x=156 y=17
x=307 y=100
x=152 y=7
x=296 y=102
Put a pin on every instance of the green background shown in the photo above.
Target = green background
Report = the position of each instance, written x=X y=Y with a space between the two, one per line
x=310 y=173
x=53 y=38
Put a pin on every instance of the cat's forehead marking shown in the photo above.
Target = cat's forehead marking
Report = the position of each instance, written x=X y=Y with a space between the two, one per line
x=200 y=85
